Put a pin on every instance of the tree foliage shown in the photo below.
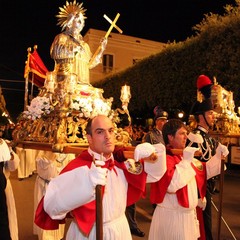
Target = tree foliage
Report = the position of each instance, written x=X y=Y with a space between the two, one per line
x=168 y=78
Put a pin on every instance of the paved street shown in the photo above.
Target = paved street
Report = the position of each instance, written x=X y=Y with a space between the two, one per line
x=23 y=191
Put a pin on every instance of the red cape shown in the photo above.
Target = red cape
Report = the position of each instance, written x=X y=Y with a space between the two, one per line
x=159 y=189
x=85 y=215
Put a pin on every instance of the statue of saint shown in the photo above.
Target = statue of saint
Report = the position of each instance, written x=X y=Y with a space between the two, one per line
x=71 y=54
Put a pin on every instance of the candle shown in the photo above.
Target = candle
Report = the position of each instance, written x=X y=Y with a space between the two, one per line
x=71 y=83
x=50 y=81
x=50 y=87
x=125 y=93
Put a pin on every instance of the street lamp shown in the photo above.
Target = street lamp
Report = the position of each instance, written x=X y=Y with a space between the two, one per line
x=180 y=114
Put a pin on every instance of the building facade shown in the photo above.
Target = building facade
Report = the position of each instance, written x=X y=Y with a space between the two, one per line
x=122 y=51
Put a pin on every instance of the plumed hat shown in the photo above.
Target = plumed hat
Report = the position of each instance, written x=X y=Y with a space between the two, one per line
x=159 y=113
x=204 y=85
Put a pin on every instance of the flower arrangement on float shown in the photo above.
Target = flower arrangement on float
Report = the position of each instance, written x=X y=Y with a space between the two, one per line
x=90 y=107
x=39 y=107
x=87 y=107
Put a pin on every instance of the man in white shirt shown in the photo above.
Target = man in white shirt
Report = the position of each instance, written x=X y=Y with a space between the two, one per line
x=73 y=191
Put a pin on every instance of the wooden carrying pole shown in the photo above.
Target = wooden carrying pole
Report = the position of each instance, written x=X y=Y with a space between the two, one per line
x=99 y=213
x=99 y=210
x=76 y=149
x=221 y=183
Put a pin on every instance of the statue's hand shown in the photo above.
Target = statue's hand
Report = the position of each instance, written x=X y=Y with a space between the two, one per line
x=103 y=42
x=79 y=49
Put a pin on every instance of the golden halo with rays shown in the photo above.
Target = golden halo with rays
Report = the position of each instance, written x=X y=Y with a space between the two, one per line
x=66 y=10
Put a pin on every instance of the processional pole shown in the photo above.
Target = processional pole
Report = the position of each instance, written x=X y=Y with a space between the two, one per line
x=99 y=213
x=219 y=209
x=99 y=208
x=221 y=183
x=26 y=76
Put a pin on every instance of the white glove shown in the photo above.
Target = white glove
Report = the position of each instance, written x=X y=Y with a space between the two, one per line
x=143 y=150
x=159 y=148
x=202 y=203
x=98 y=175
x=222 y=149
x=4 y=151
x=188 y=153
x=195 y=137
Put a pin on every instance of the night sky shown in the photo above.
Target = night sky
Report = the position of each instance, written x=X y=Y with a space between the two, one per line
x=26 y=23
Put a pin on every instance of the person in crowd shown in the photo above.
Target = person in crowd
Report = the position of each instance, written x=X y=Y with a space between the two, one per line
x=205 y=118
x=73 y=191
x=71 y=54
x=176 y=193
x=10 y=166
x=138 y=134
x=7 y=134
x=154 y=136
x=49 y=165
x=132 y=221
x=4 y=221
x=2 y=129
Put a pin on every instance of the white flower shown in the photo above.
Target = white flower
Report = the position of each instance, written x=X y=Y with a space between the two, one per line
x=38 y=107
x=90 y=107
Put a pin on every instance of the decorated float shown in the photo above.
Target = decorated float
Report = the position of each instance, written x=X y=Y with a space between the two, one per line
x=56 y=118
x=227 y=122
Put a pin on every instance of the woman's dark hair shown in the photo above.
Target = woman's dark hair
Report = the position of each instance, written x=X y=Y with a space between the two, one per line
x=170 y=128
